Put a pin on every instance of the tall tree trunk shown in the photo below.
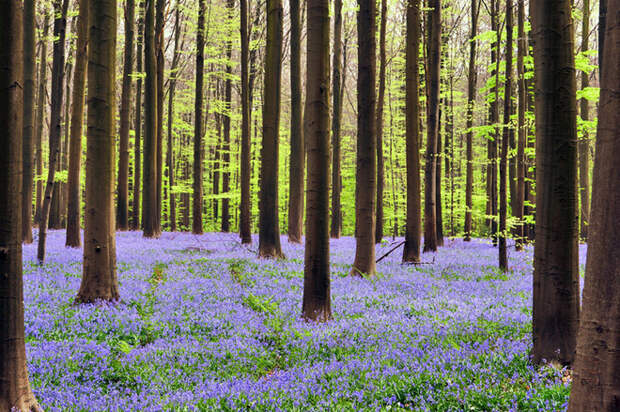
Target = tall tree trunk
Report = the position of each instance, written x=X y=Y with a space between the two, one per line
x=336 y=220
x=60 y=25
x=438 y=198
x=15 y=388
x=556 y=255
x=135 y=207
x=29 y=67
x=297 y=157
x=471 y=101
x=584 y=143
x=245 y=218
x=198 y=117
x=380 y=104
x=366 y=172
x=77 y=115
x=149 y=185
x=521 y=128
x=40 y=119
x=122 y=201
x=99 y=280
x=411 y=253
x=160 y=6
x=491 y=210
x=434 y=54
x=597 y=364
x=503 y=201
x=226 y=128
x=170 y=160
x=317 y=299
x=269 y=228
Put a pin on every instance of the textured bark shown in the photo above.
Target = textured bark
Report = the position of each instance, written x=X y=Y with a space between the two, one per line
x=336 y=220
x=170 y=160
x=521 y=128
x=245 y=218
x=503 y=200
x=40 y=119
x=29 y=67
x=297 y=156
x=226 y=129
x=160 y=11
x=380 y=104
x=198 y=117
x=60 y=25
x=366 y=172
x=99 y=280
x=411 y=253
x=556 y=270
x=584 y=143
x=432 y=121
x=491 y=210
x=316 y=298
x=149 y=180
x=597 y=365
x=122 y=200
x=438 y=198
x=77 y=115
x=14 y=385
x=137 y=162
x=471 y=100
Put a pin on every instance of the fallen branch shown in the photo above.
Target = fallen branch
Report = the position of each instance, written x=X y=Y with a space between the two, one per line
x=420 y=263
x=390 y=251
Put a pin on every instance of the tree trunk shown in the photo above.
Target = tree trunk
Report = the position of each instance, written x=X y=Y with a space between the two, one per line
x=366 y=173
x=434 y=54
x=438 y=202
x=597 y=364
x=29 y=67
x=336 y=221
x=99 y=280
x=297 y=159
x=135 y=209
x=556 y=270
x=471 y=101
x=411 y=253
x=149 y=185
x=491 y=210
x=269 y=228
x=170 y=160
x=584 y=143
x=521 y=128
x=316 y=304
x=40 y=119
x=122 y=201
x=60 y=25
x=380 y=104
x=245 y=219
x=160 y=63
x=503 y=201
x=15 y=388
x=77 y=115
x=226 y=129
x=198 y=117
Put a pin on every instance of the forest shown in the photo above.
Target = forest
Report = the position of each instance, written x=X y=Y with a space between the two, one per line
x=309 y=205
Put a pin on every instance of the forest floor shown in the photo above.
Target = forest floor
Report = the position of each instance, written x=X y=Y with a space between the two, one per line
x=205 y=325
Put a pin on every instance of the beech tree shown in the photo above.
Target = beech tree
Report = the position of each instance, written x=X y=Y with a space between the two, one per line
x=379 y=124
x=245 y=224
x=40 y=118
x=198 y=117
x=521 y=127
x=584 y=143
x=137 y=169
x=28 y=119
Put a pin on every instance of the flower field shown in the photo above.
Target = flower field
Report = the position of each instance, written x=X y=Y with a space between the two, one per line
x=205 y=325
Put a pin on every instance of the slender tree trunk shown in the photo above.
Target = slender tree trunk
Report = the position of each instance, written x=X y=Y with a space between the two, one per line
x=245 y=218
x=336 y=220
x=99 y=280
x=380 y=104
x=40 y=119
x=14 y=388
x=77 y=115
x=160 y=6
x=503 y=201
x=556 y=270
x=584 y=143
x=366 y=172
x=269 y=228
x=170 y=160
x=60 y=25
x=135 y=210
x=217 y=155
x=521 y=128
x=122 y=201
x=226 y=129
x=149 y=185
x=471 y=101
x=411 y=253
x=434 y=54
x=29 y=67
x=198 y=117
x=597 y=364
x=316 y=299
x=491 y=210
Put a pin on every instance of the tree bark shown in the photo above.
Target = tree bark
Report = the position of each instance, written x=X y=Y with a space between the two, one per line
x=60 y=25
x=40 y=119
x=29 y=67
x=160 y=6
x=597 y=364
x=245 y=218
x=491 y=210
x=556 y=270
x=15 y=389
x=521 y=128
x=226 y=129
x=380 y=104
x=336 y=220
x=170 y=159
x=411 y=252
x=137 y=171
x=316 y=304
x=366 y=172
x=584 y=143
x=198 y=117
x=269 y=228
x=471 y=101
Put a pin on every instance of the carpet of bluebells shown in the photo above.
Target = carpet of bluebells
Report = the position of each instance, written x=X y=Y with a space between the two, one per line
x=205 y=325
